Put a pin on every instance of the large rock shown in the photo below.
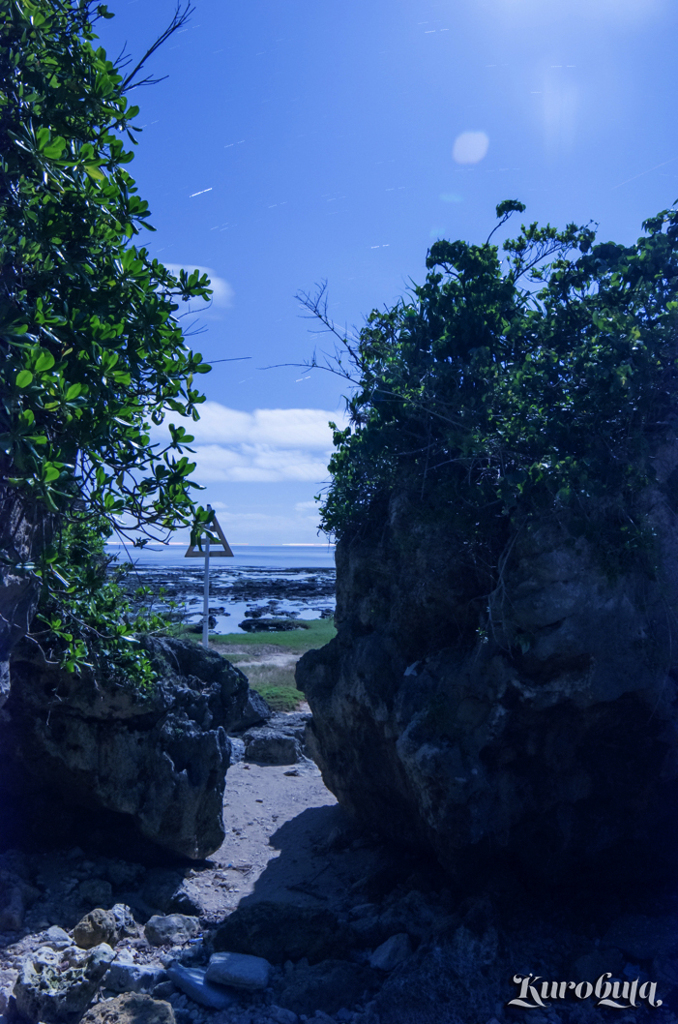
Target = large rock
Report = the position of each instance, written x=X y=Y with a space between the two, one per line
x=280 y=741
x=255 y=712
x=57 y=987
x=525 y=715
x=131 y=1008
x=81 y=753
x=239 y=970
x=171 y=929
x=105 y=926
x=125 y=975
x=192 y=982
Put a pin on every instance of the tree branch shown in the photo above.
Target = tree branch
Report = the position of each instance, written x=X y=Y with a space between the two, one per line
x=179 y=19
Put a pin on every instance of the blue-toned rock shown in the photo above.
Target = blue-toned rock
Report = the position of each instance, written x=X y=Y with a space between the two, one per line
x=194 y=984
x=239 y=970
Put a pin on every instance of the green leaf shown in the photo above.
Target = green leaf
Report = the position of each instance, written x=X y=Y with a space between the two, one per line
x=14 y=330
x=93 y=171
x=45 y=361
x=24 y=378
x=50 y=472
x=510 y=206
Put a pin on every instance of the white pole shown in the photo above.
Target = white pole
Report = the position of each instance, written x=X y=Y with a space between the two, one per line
x=206 y=592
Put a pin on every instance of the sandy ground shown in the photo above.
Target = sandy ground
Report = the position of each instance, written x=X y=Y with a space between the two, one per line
x=262 y=654
x=287 y=839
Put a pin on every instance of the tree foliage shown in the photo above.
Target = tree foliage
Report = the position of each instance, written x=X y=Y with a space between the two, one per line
x=508 y=389
x=91 y=352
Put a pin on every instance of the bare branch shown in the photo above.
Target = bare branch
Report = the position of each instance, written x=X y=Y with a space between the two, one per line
x=179 y=19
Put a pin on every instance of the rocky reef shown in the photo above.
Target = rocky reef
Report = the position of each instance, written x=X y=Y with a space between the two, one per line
x=102 y=760
x=522 y=715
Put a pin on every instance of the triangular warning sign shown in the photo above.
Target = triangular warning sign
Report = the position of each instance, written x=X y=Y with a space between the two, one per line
x=216 y=548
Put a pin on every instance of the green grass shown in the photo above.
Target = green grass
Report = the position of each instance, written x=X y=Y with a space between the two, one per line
x=276 y=685
x=317 y=633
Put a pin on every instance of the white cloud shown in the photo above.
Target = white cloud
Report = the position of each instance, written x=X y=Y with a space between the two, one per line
x=249 y=463
x=282 y=428
x=470 y=147
x=248 y=527
x=267 y=445
x=222 y=292
x=269 y=528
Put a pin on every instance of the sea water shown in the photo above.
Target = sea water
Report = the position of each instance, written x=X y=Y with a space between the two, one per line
x=299 y=577
x=284 y=556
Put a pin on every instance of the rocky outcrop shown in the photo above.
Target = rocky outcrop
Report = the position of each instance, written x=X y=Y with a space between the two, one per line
x=57 y=988
x=22 y=533
x=280 y=741
x=131 y=1008
x=525 y=717
x=255 y=712
x=83 y=758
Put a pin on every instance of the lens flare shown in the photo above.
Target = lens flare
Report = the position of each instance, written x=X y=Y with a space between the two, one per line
x=470 y=147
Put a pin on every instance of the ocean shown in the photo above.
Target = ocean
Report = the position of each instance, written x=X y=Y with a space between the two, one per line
x=295 y=580
x=284 y=556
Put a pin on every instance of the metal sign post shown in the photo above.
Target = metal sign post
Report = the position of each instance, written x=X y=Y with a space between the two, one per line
x=222 y=549
x=206 y=595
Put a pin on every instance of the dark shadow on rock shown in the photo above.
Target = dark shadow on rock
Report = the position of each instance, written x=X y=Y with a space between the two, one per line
x=92 y=760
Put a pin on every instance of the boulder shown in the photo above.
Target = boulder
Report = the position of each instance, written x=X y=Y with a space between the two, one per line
x=255 y=711
x=272 y=746
x=270 y=625
x=130 y=1009
x=98 y=926
x=8 y=977
x=172 y=929
x=523 y=715
x=392 y=952
x=57 y=938
x=239 y=970
x=192 y=982
x=280 y=741
x=57 y=988
x=124 y=975
x=99 y=757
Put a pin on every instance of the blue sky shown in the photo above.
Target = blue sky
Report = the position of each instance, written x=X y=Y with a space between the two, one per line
x=298 y=141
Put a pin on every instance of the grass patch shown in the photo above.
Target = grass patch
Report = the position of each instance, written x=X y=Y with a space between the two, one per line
x=276 y=685
x=317 y=633
x=279 y=698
